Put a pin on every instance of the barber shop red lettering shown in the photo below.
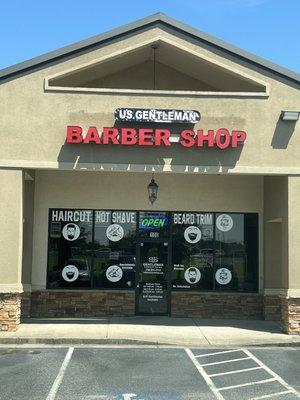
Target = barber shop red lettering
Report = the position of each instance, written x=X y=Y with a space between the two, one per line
x=221 y=138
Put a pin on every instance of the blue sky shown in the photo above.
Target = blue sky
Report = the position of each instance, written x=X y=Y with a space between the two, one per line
x=268 y=28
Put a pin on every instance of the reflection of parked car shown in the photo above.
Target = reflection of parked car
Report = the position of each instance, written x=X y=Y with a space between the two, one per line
x=114 y=255
x=217 y=252
x=83 y=268
x=127 y=259
x=201 y=260
x=103 y=253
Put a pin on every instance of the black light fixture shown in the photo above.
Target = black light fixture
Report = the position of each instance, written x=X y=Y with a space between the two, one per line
x=152 y=190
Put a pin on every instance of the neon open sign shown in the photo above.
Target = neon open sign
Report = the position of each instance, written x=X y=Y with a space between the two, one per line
x=154 y=222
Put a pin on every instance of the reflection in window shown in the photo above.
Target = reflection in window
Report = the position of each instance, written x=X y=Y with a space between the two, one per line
x=192 y=255
x=70 y=248
x=114 y=249
x=97 y=248
x=236 y=252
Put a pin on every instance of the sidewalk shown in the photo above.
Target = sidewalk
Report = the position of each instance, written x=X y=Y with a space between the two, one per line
x=150 y=330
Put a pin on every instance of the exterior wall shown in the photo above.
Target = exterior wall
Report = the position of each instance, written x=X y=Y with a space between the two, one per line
x=25 y=305
x=128 y=191
x=10 y=306
x=291 y=315
x=272 y=307
x=294 y=234
x=11 y=214
x=76 y=303
x=272 y=145
x=276 y=232
x=282 y=256
x=217 y=305
x=72 y=303
x=28 y=206
x=291 y=304
x=275 y=245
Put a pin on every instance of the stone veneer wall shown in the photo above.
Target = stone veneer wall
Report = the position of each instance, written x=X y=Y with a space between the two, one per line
x=76 y=303
x=272 y=308
x=291 y=315
x=10 y=307
x=80 y=303
x=26 y=305
x=217 y=305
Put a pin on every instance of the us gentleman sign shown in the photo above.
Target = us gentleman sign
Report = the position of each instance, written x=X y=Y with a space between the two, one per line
x=157 y=115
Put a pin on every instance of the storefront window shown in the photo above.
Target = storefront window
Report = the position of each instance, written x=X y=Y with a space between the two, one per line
x=98 y=248
x=114 y=249
x=192 y=255
x=236 y=252
x=70 y=248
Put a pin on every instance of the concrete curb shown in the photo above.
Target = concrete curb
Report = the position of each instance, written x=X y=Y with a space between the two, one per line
x=74 y=341
x=79 y=341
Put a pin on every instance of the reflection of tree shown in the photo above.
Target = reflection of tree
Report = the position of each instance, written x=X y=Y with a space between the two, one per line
x=229 y=247
x=81 y=246
x=103 y=251
x=189 y=254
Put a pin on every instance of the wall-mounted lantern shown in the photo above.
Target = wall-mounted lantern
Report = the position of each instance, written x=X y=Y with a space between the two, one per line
x=152 y=190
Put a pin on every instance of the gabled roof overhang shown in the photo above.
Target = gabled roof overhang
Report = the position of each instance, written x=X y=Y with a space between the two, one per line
x=155 y=20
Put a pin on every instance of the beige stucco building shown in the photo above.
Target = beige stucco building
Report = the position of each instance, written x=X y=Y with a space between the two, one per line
x=80 y=236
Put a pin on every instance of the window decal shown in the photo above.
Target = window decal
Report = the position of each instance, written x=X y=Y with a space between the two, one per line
x=224 y=222
x=192 y=275
x=192 y=234
x=115 y=232
x=70 y=273
x=71 y=232
x=223 y=276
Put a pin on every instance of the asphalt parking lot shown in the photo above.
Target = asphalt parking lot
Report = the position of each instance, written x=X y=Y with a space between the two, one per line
x=148 y=372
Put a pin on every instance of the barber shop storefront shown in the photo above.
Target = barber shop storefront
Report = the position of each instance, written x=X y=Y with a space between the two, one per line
x=152 y=254
x=151 y=170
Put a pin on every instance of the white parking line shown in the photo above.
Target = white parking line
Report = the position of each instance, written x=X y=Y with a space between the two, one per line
x=218 y=352
x=278 y=378
x=59 y=378
x=248 y=384
x=202 y=372
x=237 y=371
x=260 y=365
x=226 y=361
x=270 y=396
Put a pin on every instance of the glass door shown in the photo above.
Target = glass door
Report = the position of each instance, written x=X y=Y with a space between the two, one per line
x=153 y=283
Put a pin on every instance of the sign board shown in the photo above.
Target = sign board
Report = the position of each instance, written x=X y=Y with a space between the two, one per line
x=131 y=135
x=157 y=115
x=221 y=138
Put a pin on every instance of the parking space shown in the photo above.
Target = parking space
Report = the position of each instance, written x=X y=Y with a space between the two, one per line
x=148 y=373
x=28 y=373
x=240 y=374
